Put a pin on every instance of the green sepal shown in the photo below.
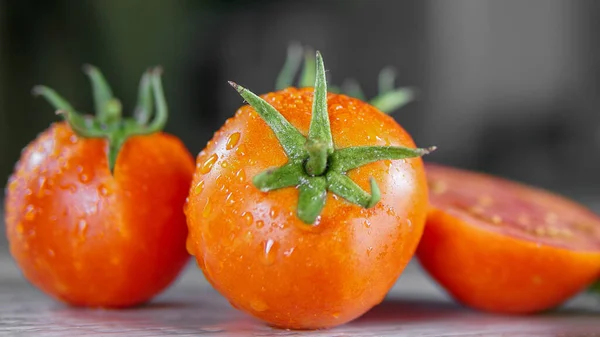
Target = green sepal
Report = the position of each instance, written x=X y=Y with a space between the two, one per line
x=349 y=158
x=315 y=166
x=343 y=186
x=311 y=198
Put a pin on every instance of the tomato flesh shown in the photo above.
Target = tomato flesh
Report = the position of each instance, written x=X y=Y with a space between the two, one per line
x=501 y=246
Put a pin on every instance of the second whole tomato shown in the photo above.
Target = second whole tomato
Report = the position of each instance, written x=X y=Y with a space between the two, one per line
x=94 y=207
x=279 y=220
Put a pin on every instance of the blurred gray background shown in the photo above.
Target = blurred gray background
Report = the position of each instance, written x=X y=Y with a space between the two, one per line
x=507 y=87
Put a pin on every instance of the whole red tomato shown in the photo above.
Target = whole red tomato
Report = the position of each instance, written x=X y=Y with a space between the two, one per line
x=94 y=208
x=504 y=247
x=269 y=236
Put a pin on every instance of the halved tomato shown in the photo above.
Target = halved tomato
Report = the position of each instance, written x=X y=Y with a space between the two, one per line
x=504 y=247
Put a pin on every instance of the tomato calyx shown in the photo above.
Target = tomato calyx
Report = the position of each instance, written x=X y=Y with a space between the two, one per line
x=388 y=100
x=314 y=165
x=108 y=122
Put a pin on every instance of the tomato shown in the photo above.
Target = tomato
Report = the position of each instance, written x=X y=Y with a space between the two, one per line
x=98 y=220
x=504 y=247
x=268 y=235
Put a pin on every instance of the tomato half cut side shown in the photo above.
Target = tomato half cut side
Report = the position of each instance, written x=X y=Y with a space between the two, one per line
x=504 y=247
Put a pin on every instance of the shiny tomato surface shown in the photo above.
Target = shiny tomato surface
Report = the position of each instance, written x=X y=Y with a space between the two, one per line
x=504 y=247
x=88 y=238
x=254 y=249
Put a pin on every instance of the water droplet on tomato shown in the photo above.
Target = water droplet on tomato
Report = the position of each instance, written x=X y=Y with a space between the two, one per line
x=232 y=141
x=259 y=305
x=289 y=252
x=260 y=224
x=336 y=315
x=270 y=251
x=367 y=223
x=241 y=175
x=229 y=198
x=248 y=218
x=369 y=250
x=241 y=151
x=102 y=190
x=224 y=164
x=79 y=168
x=29 y=213
x=73 y=139
x=51 y=253
x=82 y=229
x=209 y=163
x=28 y=191
x=207 y=209
x=199 y=187
x=20 y=228
x=273 y=212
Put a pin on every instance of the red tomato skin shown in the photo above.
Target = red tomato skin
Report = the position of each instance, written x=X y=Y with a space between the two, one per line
x=485 y=269
x=87 y=238
x=255 y=251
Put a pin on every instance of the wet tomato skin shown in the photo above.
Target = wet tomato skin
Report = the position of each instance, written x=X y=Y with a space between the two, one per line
x=87 y=238
x=488 y=263
x=255 y=251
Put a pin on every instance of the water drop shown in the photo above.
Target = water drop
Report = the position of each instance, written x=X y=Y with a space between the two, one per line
x=29 y=213
x=73 y=139
x=79 y=168
x=224 y=164
x=260 y=224
x=229 y=198
x=232 y=140
x=102 y=190
x=289 y=252
x=270 y=251
x=241 y=151
x=241 y=175
x=259 y=305
x=273 y=212
x=82 y=229
x=207 y=209
x=248 y=218
x=20 y=228
x=209 y=163
x=51 y=253
x=199 y=187
x=336 y=315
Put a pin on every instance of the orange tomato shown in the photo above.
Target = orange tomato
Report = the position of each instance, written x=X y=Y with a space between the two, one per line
x=256 y=248
x=503 y=247
x=91 y=237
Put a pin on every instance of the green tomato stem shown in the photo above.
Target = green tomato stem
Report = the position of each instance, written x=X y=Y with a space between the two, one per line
x=311 y=199
x=108 y=122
